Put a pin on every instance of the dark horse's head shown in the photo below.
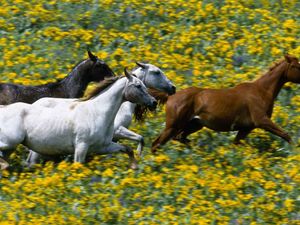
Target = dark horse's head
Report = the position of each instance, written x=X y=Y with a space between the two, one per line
x=98 y=69
x=293 y=69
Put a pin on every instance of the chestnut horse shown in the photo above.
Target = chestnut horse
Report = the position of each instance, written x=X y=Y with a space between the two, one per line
x=242 y=108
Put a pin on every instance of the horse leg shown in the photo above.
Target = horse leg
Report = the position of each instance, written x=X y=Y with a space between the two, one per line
x=190 y=127
x=242 y=134
x=81 y=150
x=3 y=164
x=266 y=124
x=124 y=133
x=33 y=158
x=3 y=161
x=165 y=136
x=115 y=147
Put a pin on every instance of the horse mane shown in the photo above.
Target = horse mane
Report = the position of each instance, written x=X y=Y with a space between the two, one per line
x=57 y=82
x=101 y=86
x=140 y=112
x=276 y=64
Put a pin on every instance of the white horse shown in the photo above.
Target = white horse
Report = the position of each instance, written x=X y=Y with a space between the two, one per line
x=74 y=127
x=152 y=77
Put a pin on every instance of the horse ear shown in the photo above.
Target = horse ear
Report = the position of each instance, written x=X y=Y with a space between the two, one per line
x=143 y=65
x=288 y=58
x=129 y=77
x=91 y=56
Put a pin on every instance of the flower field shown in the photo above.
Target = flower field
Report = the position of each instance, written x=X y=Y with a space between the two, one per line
x=201 y=43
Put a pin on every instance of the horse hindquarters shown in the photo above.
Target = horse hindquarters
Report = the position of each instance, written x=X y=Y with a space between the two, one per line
x=179 y=110
x=12 y=131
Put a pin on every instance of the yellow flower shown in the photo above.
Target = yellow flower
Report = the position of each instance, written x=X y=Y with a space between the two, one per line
x=108 y=173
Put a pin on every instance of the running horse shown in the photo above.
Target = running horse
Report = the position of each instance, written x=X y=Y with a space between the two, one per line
x=72 y=86
x=159 y=86
x=78 y=126
x=242 y=108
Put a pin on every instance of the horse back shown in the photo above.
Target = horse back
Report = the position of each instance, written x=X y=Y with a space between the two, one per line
x=11 y=93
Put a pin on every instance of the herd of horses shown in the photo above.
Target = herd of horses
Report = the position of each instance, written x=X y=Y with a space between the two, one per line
x=54 y=119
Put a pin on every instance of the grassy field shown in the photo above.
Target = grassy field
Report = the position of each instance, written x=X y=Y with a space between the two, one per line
x=201 y=43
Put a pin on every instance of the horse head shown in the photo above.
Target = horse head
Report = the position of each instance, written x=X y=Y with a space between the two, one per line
x=154 y=78
x=136 y=92
x=98 y=69
x=293 y=69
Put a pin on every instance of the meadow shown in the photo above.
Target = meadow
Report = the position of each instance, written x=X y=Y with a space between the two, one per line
x=201 y=43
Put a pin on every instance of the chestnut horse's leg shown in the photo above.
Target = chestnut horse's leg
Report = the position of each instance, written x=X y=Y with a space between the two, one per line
x=179 y=110
x=165 y=136
x=190 y=127
x=266 y=124
x=241 y=135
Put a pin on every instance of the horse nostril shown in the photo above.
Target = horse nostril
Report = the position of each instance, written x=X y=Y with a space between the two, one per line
x=153 y=105
x=173 y=89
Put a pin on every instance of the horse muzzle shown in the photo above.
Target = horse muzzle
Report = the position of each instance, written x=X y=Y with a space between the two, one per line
x=153 y=105
x=172 y=90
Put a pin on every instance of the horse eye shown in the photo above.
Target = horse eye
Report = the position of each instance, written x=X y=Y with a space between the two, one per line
x=139 y=86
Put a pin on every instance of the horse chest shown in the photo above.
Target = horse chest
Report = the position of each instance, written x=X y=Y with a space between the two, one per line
x=124 y=115
x=93 y=131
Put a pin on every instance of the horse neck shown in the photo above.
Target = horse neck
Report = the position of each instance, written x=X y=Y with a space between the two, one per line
x=140 y=73
x=110 y=99
x=273 y=81
x=128 y=107
x=76 y=83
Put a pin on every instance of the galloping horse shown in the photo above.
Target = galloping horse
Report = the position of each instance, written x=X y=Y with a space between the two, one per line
x=242 y=108
x=75 y=127
x=152 y=78
x=72 y=86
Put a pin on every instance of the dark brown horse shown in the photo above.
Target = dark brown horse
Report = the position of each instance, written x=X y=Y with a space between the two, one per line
x=72 y=86
x=242 y=108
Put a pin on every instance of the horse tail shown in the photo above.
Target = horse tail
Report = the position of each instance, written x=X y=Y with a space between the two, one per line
x=160 y=96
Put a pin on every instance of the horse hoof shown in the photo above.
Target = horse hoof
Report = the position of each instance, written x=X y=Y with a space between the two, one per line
x=4 y=166
x=182 y=140
x=154 y=151
x=134 y=166
x=140 y=153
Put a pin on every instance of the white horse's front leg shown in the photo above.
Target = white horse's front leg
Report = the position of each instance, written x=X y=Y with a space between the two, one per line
x=115 y=147
x=124 y=133
x=81 y=150
x=33 y=158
